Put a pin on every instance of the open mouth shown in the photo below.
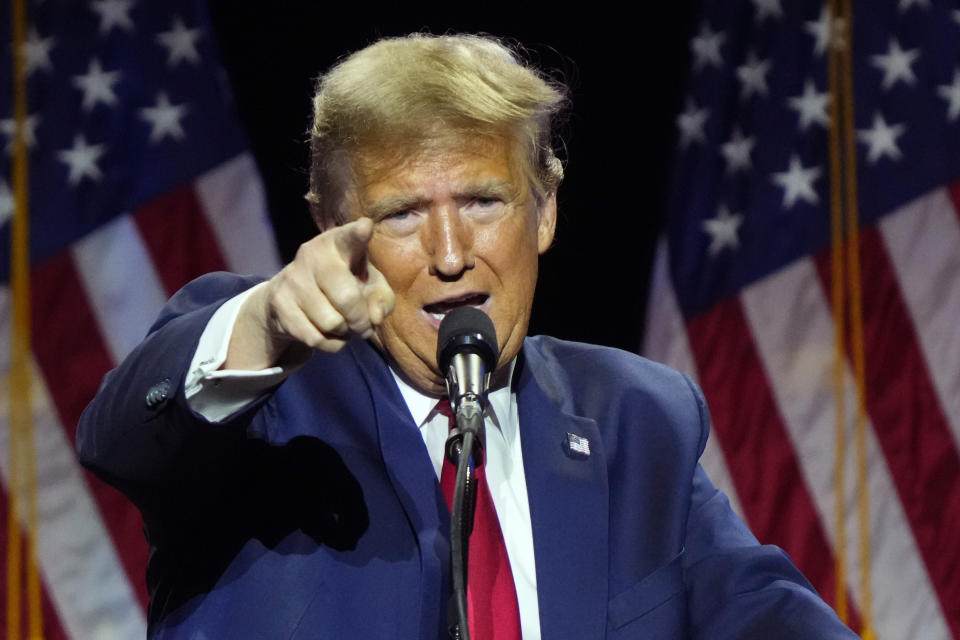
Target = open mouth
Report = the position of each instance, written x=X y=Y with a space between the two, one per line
x=437 y=310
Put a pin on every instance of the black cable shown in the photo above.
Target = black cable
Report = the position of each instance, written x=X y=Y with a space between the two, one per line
x=461 y=525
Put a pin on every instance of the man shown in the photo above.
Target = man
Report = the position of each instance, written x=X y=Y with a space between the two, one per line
x=283 y=439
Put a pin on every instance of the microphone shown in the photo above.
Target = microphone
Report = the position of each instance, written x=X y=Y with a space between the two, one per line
x=467 y=353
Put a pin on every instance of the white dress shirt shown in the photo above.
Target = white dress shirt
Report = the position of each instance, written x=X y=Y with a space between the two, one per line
x=216 y=394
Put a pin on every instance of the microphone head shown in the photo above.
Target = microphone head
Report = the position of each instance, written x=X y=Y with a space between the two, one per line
x=467 y=329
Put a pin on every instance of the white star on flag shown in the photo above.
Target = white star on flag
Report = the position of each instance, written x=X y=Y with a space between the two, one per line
x=767 y=9
x=82 y=160
x=797 y=183
x=753 y=76
x=181 y=43
x=827 y=31
x=821 y=30
x=113 y=13
x=811 y=106
x=737 y=151
x=906 y=4
x=895 y=64
x=97 y=86
x=36 y=52
x=9 y=126
x=6 y=203
x=164 y=118
x=881 y=139
x=706 y=48
x=690 y=123
x=722 y=230
x=951 y=93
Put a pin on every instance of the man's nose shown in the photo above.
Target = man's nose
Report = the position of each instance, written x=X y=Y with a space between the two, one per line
x=449 y=242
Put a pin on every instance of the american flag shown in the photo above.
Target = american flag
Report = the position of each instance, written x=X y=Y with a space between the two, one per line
x=139 y=180
x=745 y=299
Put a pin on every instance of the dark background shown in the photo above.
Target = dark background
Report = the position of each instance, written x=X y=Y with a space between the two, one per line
x=626 y=70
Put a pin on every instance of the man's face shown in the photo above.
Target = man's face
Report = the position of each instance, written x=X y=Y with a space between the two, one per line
x=454 y=226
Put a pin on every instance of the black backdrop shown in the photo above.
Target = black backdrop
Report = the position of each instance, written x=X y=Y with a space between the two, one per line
x=626 y=69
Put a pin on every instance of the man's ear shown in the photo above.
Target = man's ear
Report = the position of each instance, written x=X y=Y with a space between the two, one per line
x=546 y=222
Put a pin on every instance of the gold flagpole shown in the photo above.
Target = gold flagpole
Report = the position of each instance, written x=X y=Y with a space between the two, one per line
x=23 y=473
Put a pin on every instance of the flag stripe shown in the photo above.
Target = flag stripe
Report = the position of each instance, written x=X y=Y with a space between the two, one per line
x=909 y=423
x=124 y=306
x=931 y=289
x=72 y=381
x=793 y=328
x=52 y=628
x=73 y=544
x=178 y=238
x=663 y=343
x=954 y=190
x=232 y=197
x=754 y=440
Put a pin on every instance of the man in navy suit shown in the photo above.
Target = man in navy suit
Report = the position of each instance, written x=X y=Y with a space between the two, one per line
x=282 y=438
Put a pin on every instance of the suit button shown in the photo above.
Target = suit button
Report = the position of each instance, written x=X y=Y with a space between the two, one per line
x=158 y=393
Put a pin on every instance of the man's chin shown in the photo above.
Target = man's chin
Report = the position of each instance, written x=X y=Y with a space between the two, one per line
x=416 y=374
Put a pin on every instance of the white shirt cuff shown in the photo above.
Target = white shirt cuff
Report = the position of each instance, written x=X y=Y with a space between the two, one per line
x=217 y=394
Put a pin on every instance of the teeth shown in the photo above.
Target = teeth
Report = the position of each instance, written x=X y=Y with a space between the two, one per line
x=440 y=309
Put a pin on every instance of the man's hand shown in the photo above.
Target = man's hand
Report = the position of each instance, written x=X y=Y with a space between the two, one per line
x=329 y=293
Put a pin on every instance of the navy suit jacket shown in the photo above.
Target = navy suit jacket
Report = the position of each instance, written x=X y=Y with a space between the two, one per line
x=316 y=513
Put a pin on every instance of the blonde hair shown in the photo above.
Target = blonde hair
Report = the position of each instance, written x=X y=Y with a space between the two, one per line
x=395 y=95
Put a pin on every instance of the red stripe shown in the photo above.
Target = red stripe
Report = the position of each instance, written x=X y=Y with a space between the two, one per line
x=759 y=454
x=909 y=422
x=52 y=627
x=73 y=358
x=178 y=237
x=954 y=190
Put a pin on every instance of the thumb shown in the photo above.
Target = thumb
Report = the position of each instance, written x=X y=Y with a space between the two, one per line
x=379 y=295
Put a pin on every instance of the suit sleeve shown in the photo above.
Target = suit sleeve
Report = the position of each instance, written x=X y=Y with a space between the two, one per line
x=738 y=588
x=139 y=427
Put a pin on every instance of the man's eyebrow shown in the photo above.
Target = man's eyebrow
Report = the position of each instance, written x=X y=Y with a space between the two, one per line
x=392 y=204
x=497 y=187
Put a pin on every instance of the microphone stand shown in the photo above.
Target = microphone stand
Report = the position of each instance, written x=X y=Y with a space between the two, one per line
x=460 y=447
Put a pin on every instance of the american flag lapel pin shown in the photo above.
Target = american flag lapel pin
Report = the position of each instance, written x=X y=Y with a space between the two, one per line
x=578 y=445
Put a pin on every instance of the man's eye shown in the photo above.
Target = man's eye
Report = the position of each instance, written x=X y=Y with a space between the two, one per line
x=399 y=223
x=484 y=209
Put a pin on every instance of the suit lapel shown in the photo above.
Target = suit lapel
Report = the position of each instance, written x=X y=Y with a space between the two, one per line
x=569 y=508
x=414 y=481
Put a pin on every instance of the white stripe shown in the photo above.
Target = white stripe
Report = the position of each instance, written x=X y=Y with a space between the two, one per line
x=923 y=239
x=232 y=197
x=79 y=566
x=792 y=325
x=124 y=291
x=665 y=340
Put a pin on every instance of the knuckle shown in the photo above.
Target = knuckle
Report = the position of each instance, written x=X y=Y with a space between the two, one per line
x=331 y=323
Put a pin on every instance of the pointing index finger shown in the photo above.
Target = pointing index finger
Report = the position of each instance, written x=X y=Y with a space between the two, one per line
x=351 y=241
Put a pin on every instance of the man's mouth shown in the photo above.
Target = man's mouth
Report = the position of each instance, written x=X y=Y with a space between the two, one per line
x=437 y=310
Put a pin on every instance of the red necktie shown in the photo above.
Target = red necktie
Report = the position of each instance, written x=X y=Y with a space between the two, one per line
x=491 y=595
